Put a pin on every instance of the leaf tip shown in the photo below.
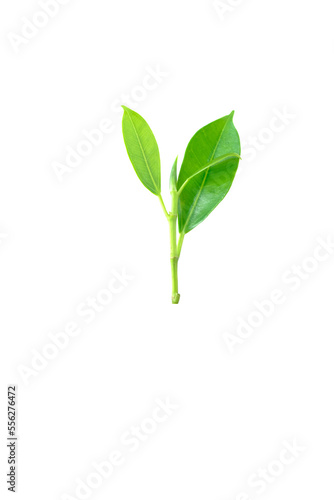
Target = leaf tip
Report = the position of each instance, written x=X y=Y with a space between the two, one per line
x=173 y=177
x=126 y=109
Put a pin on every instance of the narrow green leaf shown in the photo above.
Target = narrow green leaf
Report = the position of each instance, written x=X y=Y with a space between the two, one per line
x=206 y=187
x=142 y=149
x=173 y=177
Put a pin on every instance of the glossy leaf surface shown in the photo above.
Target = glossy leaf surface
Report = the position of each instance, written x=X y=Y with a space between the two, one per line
x=218 y=162
x=142 y=149
x=205 y=190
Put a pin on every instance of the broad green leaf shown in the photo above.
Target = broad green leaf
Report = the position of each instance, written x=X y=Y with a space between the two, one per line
x=207 y=187
x=173 y=177
x=142 y=149
x=215 y=163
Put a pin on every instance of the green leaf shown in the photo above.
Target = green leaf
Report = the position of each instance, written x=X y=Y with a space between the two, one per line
x=205 y=187
x=142 y=149
x=173 y=177
x=215 y=163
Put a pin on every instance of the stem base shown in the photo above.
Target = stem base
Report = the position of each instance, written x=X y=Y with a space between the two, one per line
x=175 y=298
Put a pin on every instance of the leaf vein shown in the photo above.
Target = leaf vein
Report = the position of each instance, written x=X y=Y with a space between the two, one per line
x=143 y=153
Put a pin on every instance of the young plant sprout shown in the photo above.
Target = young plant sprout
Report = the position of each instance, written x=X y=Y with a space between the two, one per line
x=206 y=175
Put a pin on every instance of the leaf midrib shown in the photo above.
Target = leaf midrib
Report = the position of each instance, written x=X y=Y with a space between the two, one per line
x=143 y=153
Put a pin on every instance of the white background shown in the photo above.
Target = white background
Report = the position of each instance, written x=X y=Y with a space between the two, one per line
x=60 y=242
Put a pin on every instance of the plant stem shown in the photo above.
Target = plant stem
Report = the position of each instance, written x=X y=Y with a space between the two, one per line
x=180 y=243
x=163 y=206
x=174 y=255
x=175 y=246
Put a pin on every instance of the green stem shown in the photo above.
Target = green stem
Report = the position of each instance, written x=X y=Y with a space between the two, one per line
x=163 y=206
x=179 y=246
x=174 y=254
